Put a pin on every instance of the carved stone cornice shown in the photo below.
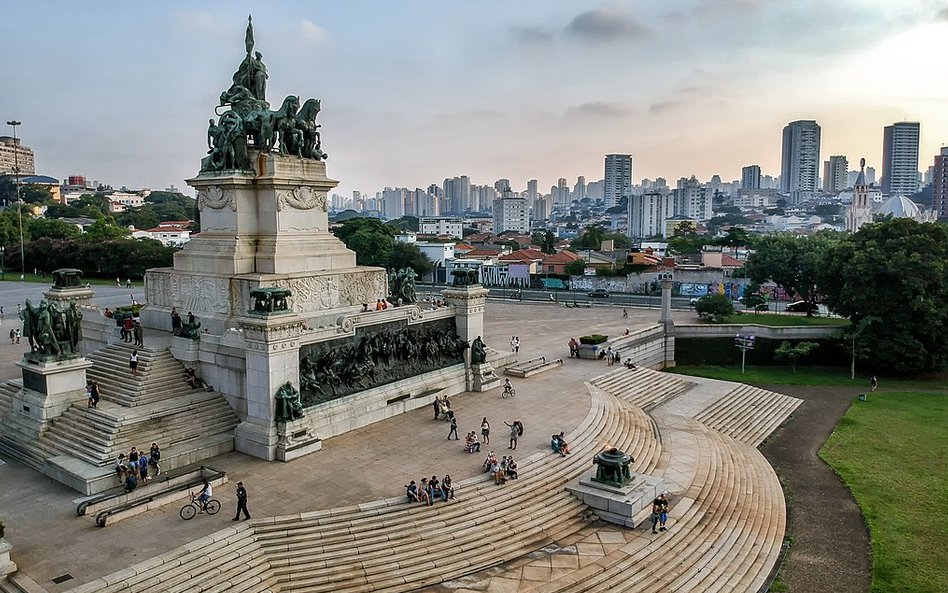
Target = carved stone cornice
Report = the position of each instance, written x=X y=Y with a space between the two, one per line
x=301 y=198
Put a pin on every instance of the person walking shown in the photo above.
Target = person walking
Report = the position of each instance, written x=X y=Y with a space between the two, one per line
x=241 y=502
x=133 y=362
x=663 y=515
x=485 y=430
x=139 y=332
x=454 y=429
x=873 y=383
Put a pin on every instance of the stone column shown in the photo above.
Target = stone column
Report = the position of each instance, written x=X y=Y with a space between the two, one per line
x=272 y=359
x=469 y=304
x=667 y=281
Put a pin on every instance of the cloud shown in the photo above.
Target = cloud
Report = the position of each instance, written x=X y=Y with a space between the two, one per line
x=531 y=35
x=663 y=106
x=312 y=32
x=600 y=109
x=607 y=24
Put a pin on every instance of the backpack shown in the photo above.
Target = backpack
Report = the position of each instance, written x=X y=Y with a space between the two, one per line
x=520 y=428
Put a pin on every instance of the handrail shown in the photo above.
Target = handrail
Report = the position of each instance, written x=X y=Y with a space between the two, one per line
x=101 y=517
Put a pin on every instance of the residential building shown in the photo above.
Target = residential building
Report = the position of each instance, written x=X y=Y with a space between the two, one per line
x=900 y=158
x=45 y=181
x=617 y=179
x=561 y=192
x=120 y=201
x=579 y=190
x=800 y=160
x=940 y=184
x=532 y=193
x=692 y=199
x=647 y=214
x=511 y=214
x=835 y=172
x=750 y=177
x=393 y=202
x=14 y=154
x=441 y=226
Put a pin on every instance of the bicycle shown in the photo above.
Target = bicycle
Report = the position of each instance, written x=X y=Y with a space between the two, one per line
x=211 y=506
x=508 y=392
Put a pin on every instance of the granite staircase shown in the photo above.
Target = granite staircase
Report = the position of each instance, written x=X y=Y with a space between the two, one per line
x=79 y=447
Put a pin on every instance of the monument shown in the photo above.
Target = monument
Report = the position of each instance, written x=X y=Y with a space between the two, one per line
x=284 y=333
x=617 y=494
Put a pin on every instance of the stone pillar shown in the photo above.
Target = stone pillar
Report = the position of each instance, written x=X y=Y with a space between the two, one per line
x=272 y=359
x=49 y=388
x=469 y=301
x=667 y=281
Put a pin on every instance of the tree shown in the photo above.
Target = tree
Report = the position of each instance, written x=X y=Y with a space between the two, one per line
x=891 y=280
x=351 y=226
x=752 y=299
x=577 y=267
x=546 y=240
x=372 y=249
x=591 y=238
x=792 y=352
x=790 y=261
x=406 y=223
x=35 y=194
x=140 y=218
x=405 y=255
x=105 y=229
x=714 y=308
x=734 y=237
x=53 y=229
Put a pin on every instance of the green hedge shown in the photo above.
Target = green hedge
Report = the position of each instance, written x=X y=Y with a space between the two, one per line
x=722 y=352
x=593 y=339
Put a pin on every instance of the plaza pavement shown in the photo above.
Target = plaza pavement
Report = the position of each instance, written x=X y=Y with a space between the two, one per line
x=367 y=464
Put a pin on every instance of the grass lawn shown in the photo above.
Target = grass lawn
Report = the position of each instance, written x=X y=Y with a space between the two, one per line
x=805 y=375
x=777 y=320
x=891 y=451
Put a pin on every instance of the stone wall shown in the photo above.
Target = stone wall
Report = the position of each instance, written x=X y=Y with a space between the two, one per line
x=646 y=347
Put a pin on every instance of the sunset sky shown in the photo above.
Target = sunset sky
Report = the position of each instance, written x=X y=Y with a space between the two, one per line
x=414 y=91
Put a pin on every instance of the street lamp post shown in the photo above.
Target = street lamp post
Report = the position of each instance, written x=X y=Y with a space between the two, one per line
x=19 y=209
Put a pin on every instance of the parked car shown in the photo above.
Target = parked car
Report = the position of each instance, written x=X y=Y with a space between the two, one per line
x=802 y=307
x=599 y=293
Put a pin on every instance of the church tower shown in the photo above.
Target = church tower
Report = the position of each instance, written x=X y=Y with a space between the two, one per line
x=860 y=212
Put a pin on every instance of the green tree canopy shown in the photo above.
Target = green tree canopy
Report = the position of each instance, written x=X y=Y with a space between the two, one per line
x=576 y=267
x=405 y=223
x=53 y=229
x=791 y=261
x=891 y=280
x=351 y=226
x=105 y=229
x=371 y=248
x=793 y=352
x=405 y=255
x=35 y=194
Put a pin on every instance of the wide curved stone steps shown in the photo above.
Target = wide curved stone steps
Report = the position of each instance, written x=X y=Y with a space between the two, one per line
x=390 y=545
x=748 y=414
x=642 y=387
x=725 y=531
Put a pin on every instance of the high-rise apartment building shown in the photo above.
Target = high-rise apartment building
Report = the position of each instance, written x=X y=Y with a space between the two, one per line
x=940 y=184
x=800 y=159
x=579 y=190
x=900 y=158
x=835 y=174
x=502 y=186
x=647 y=214
x=750 y=177
x=511 y=214
x=617 y=179
x=15 y=154
x=692 y=199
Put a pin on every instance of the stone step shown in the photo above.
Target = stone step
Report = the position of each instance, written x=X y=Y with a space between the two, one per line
x=19 y=582
x=748 y=414
x=642 y=387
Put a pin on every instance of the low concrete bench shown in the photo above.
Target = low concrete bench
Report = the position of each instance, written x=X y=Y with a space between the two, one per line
x=532 y=367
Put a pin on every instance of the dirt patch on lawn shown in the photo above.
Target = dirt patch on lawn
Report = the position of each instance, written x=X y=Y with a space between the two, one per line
x=831 y=549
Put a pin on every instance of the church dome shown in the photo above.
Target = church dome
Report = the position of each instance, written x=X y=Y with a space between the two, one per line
x=900 y=207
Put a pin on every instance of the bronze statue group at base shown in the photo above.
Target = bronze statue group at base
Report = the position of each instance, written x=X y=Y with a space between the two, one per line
x=53 y=334
x=291 y=130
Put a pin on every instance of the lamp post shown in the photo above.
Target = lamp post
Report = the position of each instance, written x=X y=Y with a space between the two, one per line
x=19 y=209
x=3 y=269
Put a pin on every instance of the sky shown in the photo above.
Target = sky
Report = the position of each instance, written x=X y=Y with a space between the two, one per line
x=415 y=91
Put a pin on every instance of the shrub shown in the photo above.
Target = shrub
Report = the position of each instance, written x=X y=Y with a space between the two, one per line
x=714 y=307
x=593 y=339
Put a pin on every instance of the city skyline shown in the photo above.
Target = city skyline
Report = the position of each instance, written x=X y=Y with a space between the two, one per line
x=537 y=90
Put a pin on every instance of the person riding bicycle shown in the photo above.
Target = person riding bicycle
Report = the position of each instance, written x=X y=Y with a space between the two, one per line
x=508 y=386
x=206 y=492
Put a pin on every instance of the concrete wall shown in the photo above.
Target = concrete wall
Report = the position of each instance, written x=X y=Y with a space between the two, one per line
x=761 y=331
x=646 y=347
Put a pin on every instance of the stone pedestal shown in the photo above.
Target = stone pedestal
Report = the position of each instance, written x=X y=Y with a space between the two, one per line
x=668 y=324
x=7 y=567
x=81 y=295
x=618 y=505
x=484 y=377
x=272 y=359
x=49 y=388
x=469 y=304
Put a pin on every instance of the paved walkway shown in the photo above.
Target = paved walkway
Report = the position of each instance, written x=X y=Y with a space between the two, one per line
x=370 y=463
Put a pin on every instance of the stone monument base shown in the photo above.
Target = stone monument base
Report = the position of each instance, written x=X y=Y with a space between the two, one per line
x=49 y=388
x=81 y=295
x=7 y=566
x=622 y=505
x=484 y=377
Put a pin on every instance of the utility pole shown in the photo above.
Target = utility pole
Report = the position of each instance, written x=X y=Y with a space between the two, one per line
x=19 y=209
